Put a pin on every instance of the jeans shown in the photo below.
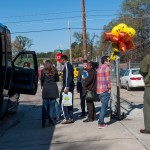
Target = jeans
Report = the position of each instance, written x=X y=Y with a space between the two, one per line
x=58 y=109
x=48 y=109
x=68 y=111
x=104 y=97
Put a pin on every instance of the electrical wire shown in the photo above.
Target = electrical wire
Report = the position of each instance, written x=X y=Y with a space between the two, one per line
x=56 y=19
x=50 y=22
x=48 y=30
x=44 y=14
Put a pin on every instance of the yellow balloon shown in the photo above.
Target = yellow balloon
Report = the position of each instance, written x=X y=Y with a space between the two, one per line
x=115 y=30
x=122 y=27
x=131 y=32
x=112 y=56
x=115 y=47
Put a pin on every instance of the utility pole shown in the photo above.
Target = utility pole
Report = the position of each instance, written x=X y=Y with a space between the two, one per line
x=70 y=41
x=84 y=31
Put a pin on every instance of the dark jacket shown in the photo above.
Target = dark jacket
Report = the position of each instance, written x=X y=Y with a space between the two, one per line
x=90 y=81
x=145 y=69
x=68 y=77
x=50 y=88
x=80 y=81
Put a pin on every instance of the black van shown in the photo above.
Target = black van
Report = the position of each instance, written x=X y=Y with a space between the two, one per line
x=15 y=78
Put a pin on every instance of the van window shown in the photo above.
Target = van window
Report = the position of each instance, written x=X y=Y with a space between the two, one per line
x=2 y=51
x=8 y=49
x=25 y=61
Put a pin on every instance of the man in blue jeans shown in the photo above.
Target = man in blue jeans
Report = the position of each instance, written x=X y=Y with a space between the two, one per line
x=103 y=88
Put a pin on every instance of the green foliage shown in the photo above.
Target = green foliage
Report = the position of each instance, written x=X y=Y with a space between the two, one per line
x=44 y=55
x=77 y=46
x=134 y=13
x=53 y=60
x=21 y=43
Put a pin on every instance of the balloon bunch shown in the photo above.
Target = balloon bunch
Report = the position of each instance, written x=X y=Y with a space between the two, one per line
x=121 y=38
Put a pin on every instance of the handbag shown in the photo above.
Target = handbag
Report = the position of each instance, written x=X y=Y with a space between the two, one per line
x=92 y=96
x=67 y=99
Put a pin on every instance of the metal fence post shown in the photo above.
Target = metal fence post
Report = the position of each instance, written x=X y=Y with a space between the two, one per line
x=118 y=87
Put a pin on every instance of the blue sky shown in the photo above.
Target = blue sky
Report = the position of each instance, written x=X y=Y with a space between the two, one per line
x=37 y=15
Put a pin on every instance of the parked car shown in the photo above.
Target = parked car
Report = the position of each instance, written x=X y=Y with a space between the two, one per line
x=122 y=71
x=132 y=79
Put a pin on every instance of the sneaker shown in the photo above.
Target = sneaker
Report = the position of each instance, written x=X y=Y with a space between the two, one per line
x=71 y=121
x=65 y=121
x=87 y=120
x=102 y=126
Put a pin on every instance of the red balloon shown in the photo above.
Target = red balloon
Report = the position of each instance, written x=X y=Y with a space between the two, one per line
x=130 y=45
x=124 y=37
x=123 y=40
x=114 y=38
x=110 y=37
x=107 y=35
x=122 y=46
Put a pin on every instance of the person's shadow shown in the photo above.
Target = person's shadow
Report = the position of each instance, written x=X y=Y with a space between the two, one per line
x=124 y=112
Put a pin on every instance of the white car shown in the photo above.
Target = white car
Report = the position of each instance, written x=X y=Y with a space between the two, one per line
x=132 y=79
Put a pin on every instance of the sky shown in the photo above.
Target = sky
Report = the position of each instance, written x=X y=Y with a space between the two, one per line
x=46 y=21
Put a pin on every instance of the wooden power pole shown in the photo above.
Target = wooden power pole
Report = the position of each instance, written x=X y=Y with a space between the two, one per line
x=84 y=31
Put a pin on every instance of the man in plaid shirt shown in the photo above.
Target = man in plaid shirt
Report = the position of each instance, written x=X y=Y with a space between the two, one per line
x=103 y=88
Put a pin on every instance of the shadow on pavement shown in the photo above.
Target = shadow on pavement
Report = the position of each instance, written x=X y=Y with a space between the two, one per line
x=25 y=131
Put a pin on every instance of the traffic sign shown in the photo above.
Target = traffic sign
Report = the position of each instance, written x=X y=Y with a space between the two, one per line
x=58 y=56
x=58 y=51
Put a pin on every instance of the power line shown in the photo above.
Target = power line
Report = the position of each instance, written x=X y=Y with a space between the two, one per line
x=48 y=22
x=55 y=19
x=48 y=30
x=60 y=29
x=44 y=14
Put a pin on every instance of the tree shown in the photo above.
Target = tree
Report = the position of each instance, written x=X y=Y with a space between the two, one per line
x=135 y=13
x=77 y=46
x=21 y=43
x=138 y=17
x=91 y=45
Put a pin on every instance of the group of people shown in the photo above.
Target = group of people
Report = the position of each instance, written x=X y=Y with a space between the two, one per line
x=90 y=78
x=95 y=79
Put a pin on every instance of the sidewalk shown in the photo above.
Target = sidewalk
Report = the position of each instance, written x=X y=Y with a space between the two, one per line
x=118 y=135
